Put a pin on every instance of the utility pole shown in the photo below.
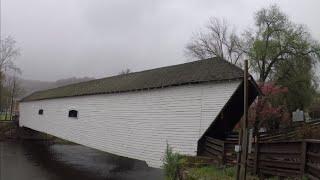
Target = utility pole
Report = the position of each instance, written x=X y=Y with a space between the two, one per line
x=0 y=85
x=243 y=136
x=1 y=56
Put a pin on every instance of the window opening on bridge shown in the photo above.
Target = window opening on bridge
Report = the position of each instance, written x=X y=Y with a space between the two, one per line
x=73 y=113
x=40 y=112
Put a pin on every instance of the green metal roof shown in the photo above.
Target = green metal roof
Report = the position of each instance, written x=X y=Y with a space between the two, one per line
x=213 y=69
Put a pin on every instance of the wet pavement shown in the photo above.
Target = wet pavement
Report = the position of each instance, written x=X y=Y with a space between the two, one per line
x=30 y=160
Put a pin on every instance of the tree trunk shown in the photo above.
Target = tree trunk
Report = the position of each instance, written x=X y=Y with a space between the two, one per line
x=12 y=99
x=6 y=109
x=11 y=108
x=0 y=94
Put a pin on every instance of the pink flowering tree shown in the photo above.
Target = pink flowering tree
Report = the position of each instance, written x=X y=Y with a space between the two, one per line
x=267 y=111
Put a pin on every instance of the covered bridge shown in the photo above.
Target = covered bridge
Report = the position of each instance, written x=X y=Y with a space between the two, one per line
x=135 y=115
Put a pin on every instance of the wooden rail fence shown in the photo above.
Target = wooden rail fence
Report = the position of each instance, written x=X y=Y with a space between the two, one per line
x=288 y=159
x=283 y=159
x=312 y=163
x=278 y=153
x=280 y=158
x=223 y=150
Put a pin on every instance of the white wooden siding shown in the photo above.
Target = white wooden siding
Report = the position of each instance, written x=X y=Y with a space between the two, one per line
x=134 y=124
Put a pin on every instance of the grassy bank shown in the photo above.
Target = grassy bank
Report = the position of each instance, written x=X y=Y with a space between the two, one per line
x=213 y=173
x=210 y=172
x=3 y=117
x=180 y=167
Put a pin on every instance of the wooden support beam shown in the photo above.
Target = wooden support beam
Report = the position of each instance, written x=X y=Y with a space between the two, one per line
x=245 y=136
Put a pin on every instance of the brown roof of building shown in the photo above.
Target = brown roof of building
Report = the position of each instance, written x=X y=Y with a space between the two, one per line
x=208 y=70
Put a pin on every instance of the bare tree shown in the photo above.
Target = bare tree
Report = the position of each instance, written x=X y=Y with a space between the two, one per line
x=217 y=40
x=8 y=53
x=125 y=71
x=15 y=91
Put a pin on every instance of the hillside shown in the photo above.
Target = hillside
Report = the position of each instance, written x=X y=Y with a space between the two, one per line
x=30 y=86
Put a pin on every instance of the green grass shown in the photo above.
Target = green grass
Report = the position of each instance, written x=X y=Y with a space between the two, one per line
x=3 y=116
x=210 y=173
x=194 y=168
x=214 y=173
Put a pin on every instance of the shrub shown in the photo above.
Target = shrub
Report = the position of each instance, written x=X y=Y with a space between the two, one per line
x=171 y=164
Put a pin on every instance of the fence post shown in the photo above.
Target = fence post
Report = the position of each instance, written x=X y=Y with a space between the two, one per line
x=223 y=153
x=303 y=157
x=239 y=156
x=256 y=155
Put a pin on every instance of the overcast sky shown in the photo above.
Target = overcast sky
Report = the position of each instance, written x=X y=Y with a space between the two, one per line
x=97 y=38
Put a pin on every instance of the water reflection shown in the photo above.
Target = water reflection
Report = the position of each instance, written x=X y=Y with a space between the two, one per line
x=40 y=160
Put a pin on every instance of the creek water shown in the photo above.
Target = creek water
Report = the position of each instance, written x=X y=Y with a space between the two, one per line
x=30 y=160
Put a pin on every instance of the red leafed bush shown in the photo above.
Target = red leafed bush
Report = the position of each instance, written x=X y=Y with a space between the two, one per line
x=267 y=111
x=270 y=89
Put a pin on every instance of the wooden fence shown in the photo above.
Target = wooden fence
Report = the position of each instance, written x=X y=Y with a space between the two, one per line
x=222 y=150
x=278 y=153
x=312 y=164
x=287 y=159
x=291 y=133
x=281 y=158
x=287 y=134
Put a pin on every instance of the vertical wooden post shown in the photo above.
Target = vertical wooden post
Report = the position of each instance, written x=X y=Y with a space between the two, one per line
x=303 y=157
x=256 y=155
x=239 y=155
x=223 y=153
x=244 y=147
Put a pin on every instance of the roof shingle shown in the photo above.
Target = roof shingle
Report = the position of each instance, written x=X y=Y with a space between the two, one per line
x=213 y=69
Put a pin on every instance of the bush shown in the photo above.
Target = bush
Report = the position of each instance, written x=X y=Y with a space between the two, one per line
x=171 y=164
